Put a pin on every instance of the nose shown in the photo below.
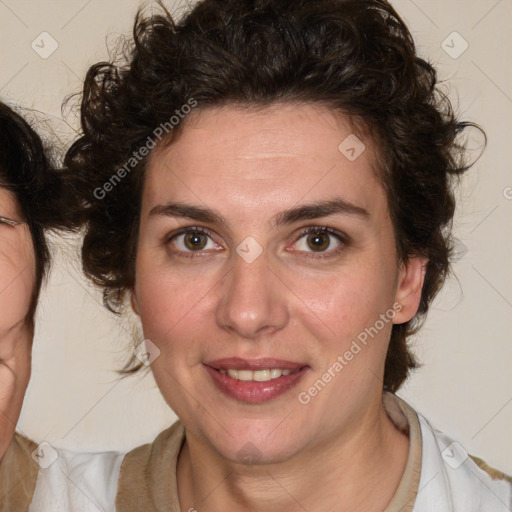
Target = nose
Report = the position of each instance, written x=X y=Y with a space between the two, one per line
x=253 y=300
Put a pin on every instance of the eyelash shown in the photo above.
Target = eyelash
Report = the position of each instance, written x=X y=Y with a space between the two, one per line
x=343 y=239
x=8 y=222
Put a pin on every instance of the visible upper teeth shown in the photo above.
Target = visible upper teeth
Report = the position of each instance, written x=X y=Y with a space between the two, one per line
x=258 y=375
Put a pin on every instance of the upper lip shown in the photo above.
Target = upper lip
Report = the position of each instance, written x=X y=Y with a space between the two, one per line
x=265 y=363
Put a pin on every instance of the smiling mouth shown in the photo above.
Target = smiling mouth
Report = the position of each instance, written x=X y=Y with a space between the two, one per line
x=257 y=380
x=259 y=370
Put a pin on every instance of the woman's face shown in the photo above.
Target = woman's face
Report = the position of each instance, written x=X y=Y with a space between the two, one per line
x=17 y=265
x=227 y=280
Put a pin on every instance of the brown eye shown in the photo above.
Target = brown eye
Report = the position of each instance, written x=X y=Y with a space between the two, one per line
x=191 y=240
x=195 y=240
x=318 y=241
x=321 y=242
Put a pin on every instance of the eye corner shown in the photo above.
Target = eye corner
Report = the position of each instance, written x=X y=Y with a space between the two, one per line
x=9 y=222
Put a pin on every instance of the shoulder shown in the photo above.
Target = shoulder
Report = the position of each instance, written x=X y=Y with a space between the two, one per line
x=40 y=477
x=18 y=474
x=69 y=480
x=452 y=479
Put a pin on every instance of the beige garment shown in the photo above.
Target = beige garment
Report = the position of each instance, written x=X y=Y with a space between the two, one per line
x=147 y=482
x=18 y=475
x=406 y=419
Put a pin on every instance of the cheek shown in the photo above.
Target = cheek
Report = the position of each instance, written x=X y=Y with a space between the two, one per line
x=168 y=301
x=344 y=304
x=174 y=311
x=17 y=282
x=350 y=320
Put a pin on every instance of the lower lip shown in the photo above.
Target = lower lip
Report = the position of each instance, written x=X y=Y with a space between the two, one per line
x=255 y=392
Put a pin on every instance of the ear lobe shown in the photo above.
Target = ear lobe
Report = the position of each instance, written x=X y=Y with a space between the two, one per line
x=134 y=303
x=410 y=284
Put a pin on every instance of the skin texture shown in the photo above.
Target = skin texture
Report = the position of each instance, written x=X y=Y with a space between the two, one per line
x=17 y=281
x=287 y=304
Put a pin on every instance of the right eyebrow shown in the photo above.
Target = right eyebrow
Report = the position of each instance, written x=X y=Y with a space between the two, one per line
x=188 y=211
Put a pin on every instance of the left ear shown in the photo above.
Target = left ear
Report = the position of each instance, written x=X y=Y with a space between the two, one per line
x=408 y=292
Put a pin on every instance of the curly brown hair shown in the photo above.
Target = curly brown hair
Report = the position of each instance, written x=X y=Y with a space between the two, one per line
x=355 y=56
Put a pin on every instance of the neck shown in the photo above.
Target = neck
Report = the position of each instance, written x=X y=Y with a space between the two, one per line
x=371 y=456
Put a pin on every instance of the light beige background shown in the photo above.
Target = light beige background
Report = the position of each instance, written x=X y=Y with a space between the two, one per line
x=75 y=400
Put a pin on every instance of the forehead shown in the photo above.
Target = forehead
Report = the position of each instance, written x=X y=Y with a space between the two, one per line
x=267 y=157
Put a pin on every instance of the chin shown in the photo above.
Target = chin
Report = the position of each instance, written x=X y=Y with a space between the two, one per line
x=253 y=442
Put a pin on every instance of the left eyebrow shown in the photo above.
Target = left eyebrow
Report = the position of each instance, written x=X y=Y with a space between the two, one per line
x=319 y=209
x=309 y=211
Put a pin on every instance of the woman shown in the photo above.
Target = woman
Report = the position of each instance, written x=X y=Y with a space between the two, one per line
x=229 y=149
x=31 y=202
x=269 y=185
